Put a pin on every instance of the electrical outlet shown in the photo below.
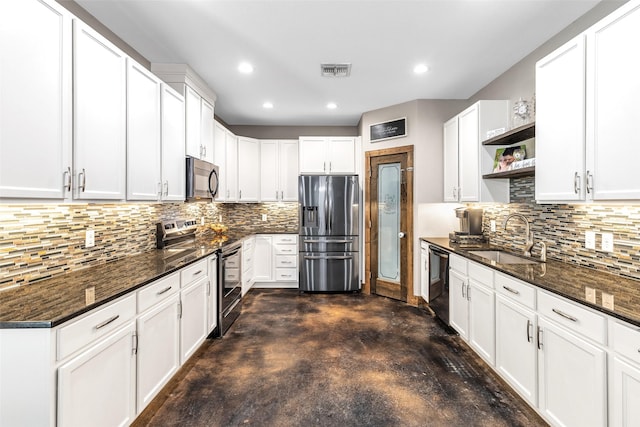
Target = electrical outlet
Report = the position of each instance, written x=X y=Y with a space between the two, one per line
x=264 y=217
x=607 y=301
x=220 y=218
x=90 y=295
x=493 y=225
x=89 y=238
x=590 y=294
x=607 y=242
x=590 y=239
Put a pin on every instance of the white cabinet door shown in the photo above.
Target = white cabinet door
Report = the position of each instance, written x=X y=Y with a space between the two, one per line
x=193 y=125
x=341 y=155
x=613 y=67
x=424 y=270
x=458 y=304
x=468 y=161
x=143 y=134
x=482 y=320
x=206 y=132
x=269 y=165
x=97 y=388
x=212 y=294
x=263 y=265
x=572 y=375
x=450 y=151
x=313 y=154
x=35 y=101
x=248 y=169
x=625 y=393
x=516 y=352
x=560 y=123
x=288 y=165
x=193 y=319
x=231 y=164
x=99 y=116
x=173 y=148
x=158 y=349
x=220 y=159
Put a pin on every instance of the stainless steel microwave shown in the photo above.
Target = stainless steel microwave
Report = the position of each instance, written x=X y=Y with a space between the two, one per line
x=202 y=180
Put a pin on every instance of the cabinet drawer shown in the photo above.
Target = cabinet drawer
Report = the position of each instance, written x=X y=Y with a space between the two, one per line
x=157 y=291
x=516 y=290
x=626 y=340
x=458 y=263
x=480 y=274
x=286 y=261
x=98 y=323
x=286 y=249
x=286 y=239
x=247 y=245
x=573 y=316
x=193 y=272
x=286 y=274
x=232 y=274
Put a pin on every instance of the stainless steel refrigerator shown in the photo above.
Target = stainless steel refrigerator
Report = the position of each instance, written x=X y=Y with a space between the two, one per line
x=329 y=233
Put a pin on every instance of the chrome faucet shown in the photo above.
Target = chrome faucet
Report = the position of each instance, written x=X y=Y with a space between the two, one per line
x=528 y=244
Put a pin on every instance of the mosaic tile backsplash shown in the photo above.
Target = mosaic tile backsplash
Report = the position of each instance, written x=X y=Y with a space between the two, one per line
x=42 y=241
x=562 y=228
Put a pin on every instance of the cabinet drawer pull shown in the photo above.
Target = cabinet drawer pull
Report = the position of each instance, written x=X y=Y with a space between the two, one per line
x=164 y=291
x=106 y=322
x=197 y=272
x=286 y=262
x=529 y=325
x=513 y=291
x=563 y=314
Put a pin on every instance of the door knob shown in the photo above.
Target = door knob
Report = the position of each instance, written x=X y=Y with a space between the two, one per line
x=401 y=234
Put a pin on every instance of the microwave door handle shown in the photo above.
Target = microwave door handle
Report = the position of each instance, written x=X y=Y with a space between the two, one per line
x=213 y=191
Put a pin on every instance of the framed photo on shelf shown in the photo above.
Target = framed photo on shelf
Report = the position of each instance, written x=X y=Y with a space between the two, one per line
x=506 y=156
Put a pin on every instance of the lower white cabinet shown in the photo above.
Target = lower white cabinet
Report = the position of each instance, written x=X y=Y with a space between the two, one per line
x=212 y=294
x=624 y=393
x=424 y=271
x=97 y=387
x=247 y=264
x=276 y=261
x=263 y=260
x=482 y=320
x=516 y=351
x=572 y=378
x=458 y=304
x=158 y=348
x=193 y=317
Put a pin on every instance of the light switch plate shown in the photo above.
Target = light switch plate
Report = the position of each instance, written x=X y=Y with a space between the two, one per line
x=264 y=217
x=607 y=242
x=89 y=238
x=493 y=225
x=607 y=301
x=590 y=294
x=590 y=239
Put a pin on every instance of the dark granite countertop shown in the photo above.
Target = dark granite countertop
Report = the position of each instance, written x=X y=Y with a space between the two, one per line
x=567 y=280
x=50 y=302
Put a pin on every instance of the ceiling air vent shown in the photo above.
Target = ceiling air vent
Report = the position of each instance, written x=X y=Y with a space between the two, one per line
x=335 y=70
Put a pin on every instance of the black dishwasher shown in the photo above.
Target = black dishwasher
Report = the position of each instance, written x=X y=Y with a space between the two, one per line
x=439 y=283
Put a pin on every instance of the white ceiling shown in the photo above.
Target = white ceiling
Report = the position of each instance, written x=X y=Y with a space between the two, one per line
x=466 y=44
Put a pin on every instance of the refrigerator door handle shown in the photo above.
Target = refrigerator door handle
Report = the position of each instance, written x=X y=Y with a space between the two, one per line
x=327 y=241
x=328 y=257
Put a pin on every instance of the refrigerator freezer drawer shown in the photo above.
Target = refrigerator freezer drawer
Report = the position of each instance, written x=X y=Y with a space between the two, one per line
x=329 y=272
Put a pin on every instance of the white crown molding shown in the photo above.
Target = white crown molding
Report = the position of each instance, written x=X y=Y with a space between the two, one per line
x=182 y=73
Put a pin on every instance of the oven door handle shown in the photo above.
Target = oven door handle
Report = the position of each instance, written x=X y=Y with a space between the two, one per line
x=230 y=254
x=328 y=257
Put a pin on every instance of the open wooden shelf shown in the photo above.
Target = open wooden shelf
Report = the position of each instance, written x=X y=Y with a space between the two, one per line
x=513 y=136
x=531 y=170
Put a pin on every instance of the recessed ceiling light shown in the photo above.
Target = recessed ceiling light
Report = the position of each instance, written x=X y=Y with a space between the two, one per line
x=245 y=68
x=332 y=106
x=420 y=69
x=267 y=105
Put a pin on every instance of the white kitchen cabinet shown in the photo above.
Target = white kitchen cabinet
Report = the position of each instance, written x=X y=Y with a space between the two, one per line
x=143 y=134
x=193 y=122
x=625 y=393
x=458 y=303
x=248 y=257
x=220 y=135
x=231 y=165
x=263 y=259
x=97 y=387
x=35 y=101
x=278 y=170
x=424 y=271
x=516 y=352
x=193 y=317
x=464 y=164
x=173 y=145
x=158 y=355
x=481 y=297
x=276 y=261
x=99 y=88
x=206 y=130
x=248 y=169
x=572 y=373
x=212 y=294
x=327 y=155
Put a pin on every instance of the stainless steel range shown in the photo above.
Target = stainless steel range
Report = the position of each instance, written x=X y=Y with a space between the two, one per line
x=230 y=295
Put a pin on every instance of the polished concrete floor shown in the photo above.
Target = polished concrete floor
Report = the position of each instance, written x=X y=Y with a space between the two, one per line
x=335 y=360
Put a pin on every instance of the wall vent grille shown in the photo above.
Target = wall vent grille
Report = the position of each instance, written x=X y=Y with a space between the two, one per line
x=335 y=70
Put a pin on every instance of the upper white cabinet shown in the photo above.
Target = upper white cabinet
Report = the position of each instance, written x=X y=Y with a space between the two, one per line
x=206 y=130
x=143 y=134
x=35 y=101
x=220 y=135
x=231 y=166
x=248 y=169
x=327 y=155
x=99 y=90
x=586 y=94
x=173 y=148
x=193 y=118
x=278 y=171
x=465 y=157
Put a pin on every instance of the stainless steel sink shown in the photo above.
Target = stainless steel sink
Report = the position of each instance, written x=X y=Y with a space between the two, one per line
x=502 y=257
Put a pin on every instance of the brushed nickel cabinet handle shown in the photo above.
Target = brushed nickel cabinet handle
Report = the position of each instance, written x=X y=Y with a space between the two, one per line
x=83 y=180
x=164 y=291
x=540 y=338
x=166 y=188
x=106 y=322
x=563 y=314
x=529 y=325
x=67 y=178
x=576 y=183
x=513 y=291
